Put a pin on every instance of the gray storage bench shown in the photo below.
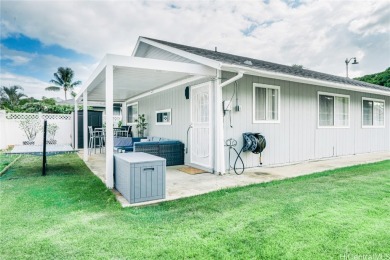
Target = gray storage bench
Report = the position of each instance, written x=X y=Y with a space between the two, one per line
x=139 y=177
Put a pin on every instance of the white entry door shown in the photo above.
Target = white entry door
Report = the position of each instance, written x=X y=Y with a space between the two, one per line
x=201 y=152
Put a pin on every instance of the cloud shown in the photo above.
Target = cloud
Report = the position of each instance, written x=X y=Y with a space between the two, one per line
x=32 y=86
x=316 y=34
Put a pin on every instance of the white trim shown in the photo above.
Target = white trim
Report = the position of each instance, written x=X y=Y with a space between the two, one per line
x=170 y=116
x=384 y=113
x=274 y=75
x=127 y=116
x=109 y=149
x=85 y=126
x=166 y=87
x=219 y=133
x=239 y=75
x=334 y=109
x=266 y=86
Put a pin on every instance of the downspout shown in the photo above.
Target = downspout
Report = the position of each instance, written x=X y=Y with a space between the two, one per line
x=239 y=75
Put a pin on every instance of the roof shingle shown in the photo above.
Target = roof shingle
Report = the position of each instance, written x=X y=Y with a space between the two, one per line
x=268 y=66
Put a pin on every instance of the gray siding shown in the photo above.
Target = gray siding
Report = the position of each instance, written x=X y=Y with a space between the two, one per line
x=147 y=51
x=174 y=99
x=297 y=137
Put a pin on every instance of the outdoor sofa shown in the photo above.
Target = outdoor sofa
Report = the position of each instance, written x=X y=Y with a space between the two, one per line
x=171 y=150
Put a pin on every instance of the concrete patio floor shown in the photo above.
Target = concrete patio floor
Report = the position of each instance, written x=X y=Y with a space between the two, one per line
x=180 y=184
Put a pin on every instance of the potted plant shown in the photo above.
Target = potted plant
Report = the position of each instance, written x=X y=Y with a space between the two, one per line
x=120 y=123
x=51 y=132
x=31 y=128
x=141 y=125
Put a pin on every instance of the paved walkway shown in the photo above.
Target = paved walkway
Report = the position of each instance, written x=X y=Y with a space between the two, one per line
x=180 y=184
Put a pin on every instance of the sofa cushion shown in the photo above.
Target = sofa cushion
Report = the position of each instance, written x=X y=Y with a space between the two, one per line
x=123 y=141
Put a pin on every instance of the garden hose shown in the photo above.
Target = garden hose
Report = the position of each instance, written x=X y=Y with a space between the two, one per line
x=231 y=143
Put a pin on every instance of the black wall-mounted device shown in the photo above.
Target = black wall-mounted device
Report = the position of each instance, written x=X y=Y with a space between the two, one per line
x=187 y=92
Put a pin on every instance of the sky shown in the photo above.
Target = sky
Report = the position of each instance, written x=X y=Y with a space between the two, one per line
x=37 y=37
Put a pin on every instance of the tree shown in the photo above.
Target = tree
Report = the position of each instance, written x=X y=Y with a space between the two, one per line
x=381 y=78
x=63 y=79
x=10 y=97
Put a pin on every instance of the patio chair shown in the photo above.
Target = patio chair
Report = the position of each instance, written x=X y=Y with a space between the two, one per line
x=126 y=131
x=96 y=139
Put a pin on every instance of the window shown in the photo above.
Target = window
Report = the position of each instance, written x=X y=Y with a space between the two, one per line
x=132 y=113
x=164 y=117
x=333 y=110
x=373 y=112
x=266 y=103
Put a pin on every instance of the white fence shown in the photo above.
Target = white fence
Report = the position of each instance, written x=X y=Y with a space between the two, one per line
x=12 y=133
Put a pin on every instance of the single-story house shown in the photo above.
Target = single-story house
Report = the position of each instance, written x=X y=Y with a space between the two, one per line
x=208 y=97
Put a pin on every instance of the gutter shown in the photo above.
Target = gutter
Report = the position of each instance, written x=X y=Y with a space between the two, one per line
x=239 y=75
x=317 y=82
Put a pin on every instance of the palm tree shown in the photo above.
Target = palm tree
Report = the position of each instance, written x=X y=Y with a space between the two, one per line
x=63 y=79
x=9 y=97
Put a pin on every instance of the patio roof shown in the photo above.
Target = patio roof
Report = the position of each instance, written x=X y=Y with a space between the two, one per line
x=133 y=76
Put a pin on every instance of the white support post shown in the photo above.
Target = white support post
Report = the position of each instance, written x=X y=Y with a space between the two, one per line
x=109 y=126
x=124 y=113
x=219 y=131
x=85 y=124
x=76 y=126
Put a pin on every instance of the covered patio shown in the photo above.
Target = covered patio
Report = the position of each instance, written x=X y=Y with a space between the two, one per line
x=123 y=79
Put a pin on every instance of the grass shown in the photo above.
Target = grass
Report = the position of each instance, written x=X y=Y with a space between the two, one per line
x=70 y=214
x=5 y=160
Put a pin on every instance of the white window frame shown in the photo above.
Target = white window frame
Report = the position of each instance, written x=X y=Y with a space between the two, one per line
x=384 y=113
x=334 y=109
x=259 y=85
x=170 y=116
x=127 y=111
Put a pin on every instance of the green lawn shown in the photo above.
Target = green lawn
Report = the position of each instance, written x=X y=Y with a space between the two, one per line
x=5 y=160
x=70 y=214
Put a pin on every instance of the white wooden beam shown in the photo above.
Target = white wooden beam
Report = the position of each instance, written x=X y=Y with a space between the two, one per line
x=109 y=127
x=220 y=166
x=166 y=87
x=85 y=124
x=159 y=65
x=76 y=126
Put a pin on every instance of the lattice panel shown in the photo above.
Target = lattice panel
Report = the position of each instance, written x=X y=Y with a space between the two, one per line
x=22 y=116
x=57 y=116
x=115 y=119
x=29 y=116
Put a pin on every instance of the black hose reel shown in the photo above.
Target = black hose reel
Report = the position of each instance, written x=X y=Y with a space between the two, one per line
x=253 y=142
